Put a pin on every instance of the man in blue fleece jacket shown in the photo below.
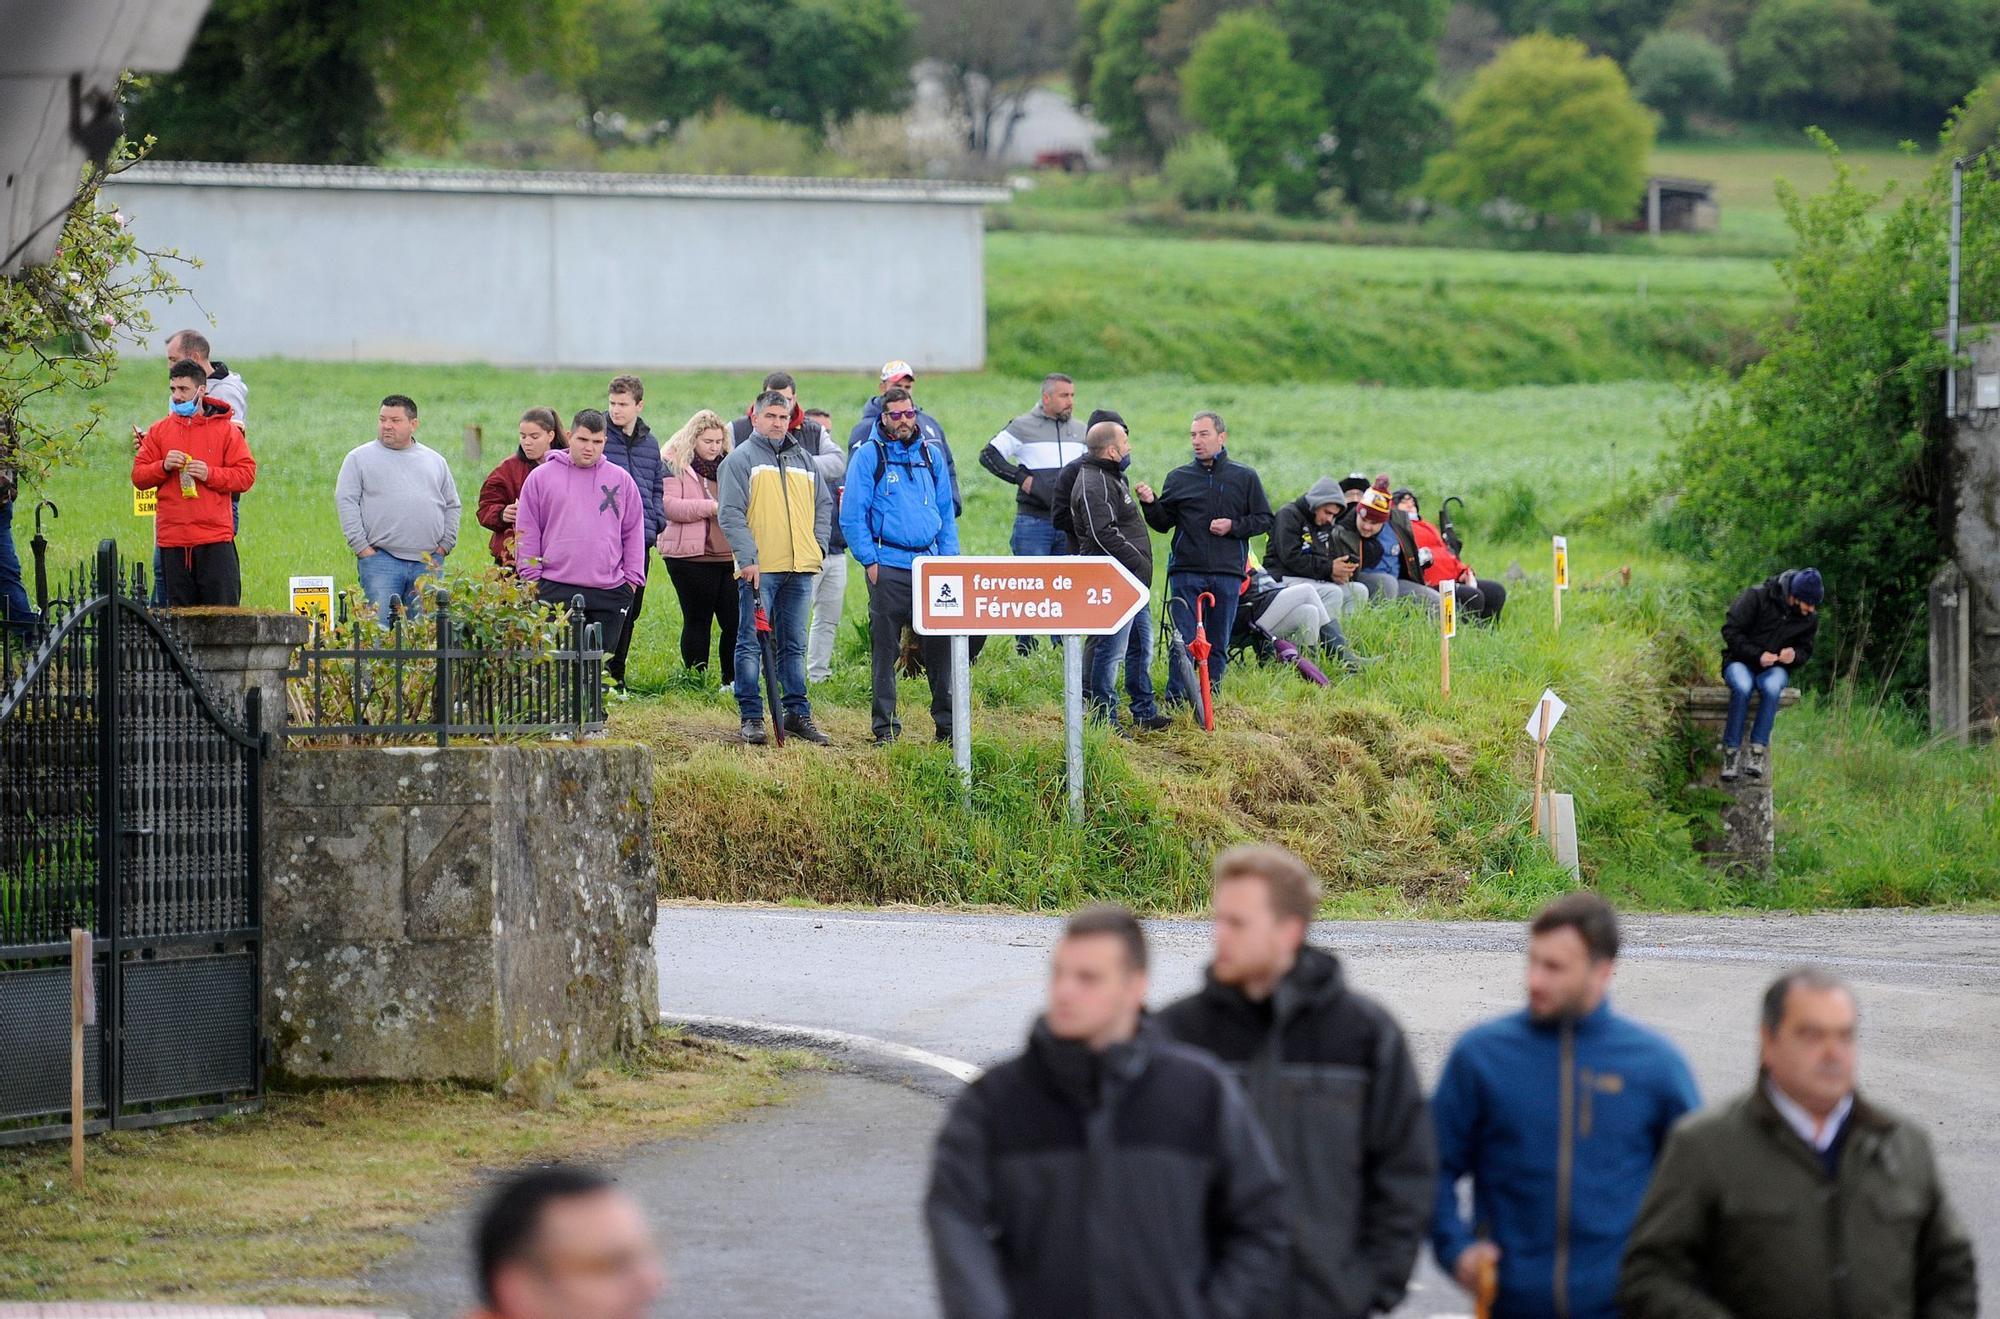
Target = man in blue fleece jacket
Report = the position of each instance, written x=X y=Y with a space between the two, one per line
x=1557 y=1113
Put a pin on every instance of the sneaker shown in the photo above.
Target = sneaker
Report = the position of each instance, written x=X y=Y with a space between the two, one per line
x=1732 y=763
x=1158 y=723
x=801 y=725
x=752 y=732
x=886 y=739
x=1759 y=761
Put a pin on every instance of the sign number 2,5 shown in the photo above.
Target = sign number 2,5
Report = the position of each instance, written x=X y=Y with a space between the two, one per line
x=1097 y=595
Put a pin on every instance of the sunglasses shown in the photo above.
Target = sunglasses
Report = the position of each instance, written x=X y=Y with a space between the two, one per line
x=901 y=414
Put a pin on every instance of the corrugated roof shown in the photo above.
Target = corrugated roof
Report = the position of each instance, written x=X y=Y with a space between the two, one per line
x=562 y=183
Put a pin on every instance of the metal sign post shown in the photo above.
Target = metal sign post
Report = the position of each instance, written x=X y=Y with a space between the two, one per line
x=1069 y=596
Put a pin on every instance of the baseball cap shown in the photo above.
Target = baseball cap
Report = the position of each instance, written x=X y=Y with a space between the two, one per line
x=896 y=370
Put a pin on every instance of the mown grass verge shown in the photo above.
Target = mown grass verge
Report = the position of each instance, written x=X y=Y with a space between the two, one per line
x=294 y=1204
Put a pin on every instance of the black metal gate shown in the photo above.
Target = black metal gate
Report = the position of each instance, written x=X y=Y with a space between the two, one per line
x=129 y=806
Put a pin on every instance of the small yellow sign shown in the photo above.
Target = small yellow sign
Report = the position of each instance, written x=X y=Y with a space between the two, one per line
x=1562 y=563
x=144 y=502
x=312 y=597
x=1448 y=609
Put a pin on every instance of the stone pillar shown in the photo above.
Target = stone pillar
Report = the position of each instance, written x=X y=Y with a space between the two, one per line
x=1951 y=654
x=1972 y=512
x=1747 y=837
x=241 y=649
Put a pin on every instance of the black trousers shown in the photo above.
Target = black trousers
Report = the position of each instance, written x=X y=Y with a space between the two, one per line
x=889 y=612
x=201 y=575
x=614 y=663
x=604 y=606
x=1484 y=601
x=707 y=594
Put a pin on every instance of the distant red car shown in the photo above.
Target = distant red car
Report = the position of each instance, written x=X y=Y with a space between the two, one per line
x=1069 y=162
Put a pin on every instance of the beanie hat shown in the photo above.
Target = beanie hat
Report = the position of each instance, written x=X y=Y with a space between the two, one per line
x=1104 y=414
x=1325 y=491
x=1374 y=500
x=1354 y=481
x=1807 y=588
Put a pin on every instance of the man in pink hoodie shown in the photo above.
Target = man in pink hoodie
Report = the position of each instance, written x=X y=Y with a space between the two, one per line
x=581 y=530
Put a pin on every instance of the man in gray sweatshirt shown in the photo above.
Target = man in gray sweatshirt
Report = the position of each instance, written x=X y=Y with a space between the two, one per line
x=399 y=508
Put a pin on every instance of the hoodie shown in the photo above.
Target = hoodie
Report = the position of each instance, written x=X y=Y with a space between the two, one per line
x=581 y=526
x=1299 y=545
x=212 y=436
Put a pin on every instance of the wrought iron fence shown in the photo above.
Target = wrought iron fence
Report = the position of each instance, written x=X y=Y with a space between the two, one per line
x=396 y=685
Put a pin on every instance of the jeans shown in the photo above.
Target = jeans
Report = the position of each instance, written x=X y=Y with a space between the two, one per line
x=1336 y=598
x=829 y=591
x=383 y=575
x=1033 y=535
x=1218 y=620
x=1132 y=647
x=15 y=606
x=1770 y=685
x=890 y=606
x=787 y=599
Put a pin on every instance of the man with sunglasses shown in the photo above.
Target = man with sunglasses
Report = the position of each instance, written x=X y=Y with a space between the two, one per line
x=565 y=1243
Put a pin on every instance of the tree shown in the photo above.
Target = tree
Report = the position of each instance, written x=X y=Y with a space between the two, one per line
x=1242 y=85
x=1549 y=128
x=992 y=54
x=330 y=82
x=1941 y=48
x=1677 y=72
x=1121 y=76
x=1375 y=60
x=1808 y=57
x=1828 y=450
x=810 y=62
x=1608 y=27
x=1975 y=125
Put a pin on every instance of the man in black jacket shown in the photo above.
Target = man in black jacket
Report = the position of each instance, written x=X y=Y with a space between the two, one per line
x=1214 y=508
x=1107 y=1172
x=1330 y=1075
x=1768 y=632
x=1105 y=520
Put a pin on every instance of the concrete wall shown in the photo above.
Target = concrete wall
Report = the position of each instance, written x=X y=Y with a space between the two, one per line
x=479 y=913
x=592 y=271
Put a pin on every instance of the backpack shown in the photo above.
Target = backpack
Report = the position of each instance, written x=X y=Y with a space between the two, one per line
x=882 y=466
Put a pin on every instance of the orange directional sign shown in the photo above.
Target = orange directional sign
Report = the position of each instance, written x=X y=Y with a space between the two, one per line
x=1072 y=595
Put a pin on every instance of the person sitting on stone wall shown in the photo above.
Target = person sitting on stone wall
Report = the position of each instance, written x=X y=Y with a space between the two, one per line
x=1768 y=632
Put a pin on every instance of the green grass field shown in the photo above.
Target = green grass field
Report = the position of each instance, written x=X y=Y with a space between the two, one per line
x=1746 y=177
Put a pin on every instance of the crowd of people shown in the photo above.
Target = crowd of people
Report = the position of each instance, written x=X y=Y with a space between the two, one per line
x=1264 y=1147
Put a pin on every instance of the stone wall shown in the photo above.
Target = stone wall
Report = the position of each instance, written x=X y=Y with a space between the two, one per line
x=481 y=913
x=1747 y=835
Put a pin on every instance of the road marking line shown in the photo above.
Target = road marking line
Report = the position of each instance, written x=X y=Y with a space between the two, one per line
x=956 y=1068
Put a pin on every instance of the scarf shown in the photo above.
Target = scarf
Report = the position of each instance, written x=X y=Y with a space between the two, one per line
x=705 y=468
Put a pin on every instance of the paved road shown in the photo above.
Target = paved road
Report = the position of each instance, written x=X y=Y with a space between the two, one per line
x=966 y=987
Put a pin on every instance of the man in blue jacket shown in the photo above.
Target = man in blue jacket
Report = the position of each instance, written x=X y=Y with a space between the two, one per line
x=630 y=444
x=897 y=505
x=1558 y=1114
x=900 y=375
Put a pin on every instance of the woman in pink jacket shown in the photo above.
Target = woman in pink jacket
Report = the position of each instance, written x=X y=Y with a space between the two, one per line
x=581 y=530
x=698 y=558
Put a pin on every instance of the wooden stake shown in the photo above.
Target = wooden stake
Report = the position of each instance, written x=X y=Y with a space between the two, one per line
x=1444 y=663
x=1541 y=756
x=79 y=978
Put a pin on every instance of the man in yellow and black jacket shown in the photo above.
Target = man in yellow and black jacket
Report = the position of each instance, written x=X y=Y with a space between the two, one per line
x=776 y=510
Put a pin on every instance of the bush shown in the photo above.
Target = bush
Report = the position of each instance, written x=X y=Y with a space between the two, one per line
x=1200 y=173
x=1549 y=128
x=1828 y=451
x=1676 y=72
x=1242 y=85
x=1810 y=56
x=1975 y=125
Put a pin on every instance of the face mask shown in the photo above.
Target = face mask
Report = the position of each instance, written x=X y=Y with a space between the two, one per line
x=1125 y=462
x=184 y=409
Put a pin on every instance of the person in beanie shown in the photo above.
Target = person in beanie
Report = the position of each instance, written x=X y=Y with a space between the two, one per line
x=1106 y=521
x=1379 y=535
x=581 y=530
x=1107 y=1171
x=1330 y=1075
x=1478 y=597
x=1767 y=633
x=197 y=460
x=1800 y=1199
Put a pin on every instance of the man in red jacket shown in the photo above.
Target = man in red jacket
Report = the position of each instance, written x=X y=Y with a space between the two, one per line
x=197 y=459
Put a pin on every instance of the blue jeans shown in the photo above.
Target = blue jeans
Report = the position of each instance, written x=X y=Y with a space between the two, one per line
x=1770 y=685
x=787 y=598
x=1217 y=621
x=1131 y=646
x=1033 y=535
x=15 y=607
x=383 y=576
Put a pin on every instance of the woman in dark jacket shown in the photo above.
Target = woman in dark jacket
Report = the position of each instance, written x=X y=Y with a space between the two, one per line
x=500 y=493
x=1769 y=632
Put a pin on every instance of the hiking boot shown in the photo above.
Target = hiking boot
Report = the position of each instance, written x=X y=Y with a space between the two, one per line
x=1759 y=761
x=1732 y=763
x=801 y=725
x=1157 y=723
x=752 y=732
x=941 y=735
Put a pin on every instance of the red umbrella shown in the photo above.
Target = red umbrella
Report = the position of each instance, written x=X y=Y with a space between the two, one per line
x=767 y=648
x=1198 y=651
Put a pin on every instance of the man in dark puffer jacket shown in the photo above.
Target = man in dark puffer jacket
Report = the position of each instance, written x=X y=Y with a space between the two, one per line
x=1107 y=1172
x=1329 y=1073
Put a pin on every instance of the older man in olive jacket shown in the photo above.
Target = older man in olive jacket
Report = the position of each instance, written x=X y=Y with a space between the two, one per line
x=1799 y=1200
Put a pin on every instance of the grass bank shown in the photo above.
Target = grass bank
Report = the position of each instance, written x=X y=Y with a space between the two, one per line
x=292 y=1205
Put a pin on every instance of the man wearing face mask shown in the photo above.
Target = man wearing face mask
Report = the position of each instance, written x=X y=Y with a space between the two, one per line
x=197 y=460
x=898 y=505
x=1768 y=632
x=1106 y=520
x=1800 y=1199
x=1557 y=1113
